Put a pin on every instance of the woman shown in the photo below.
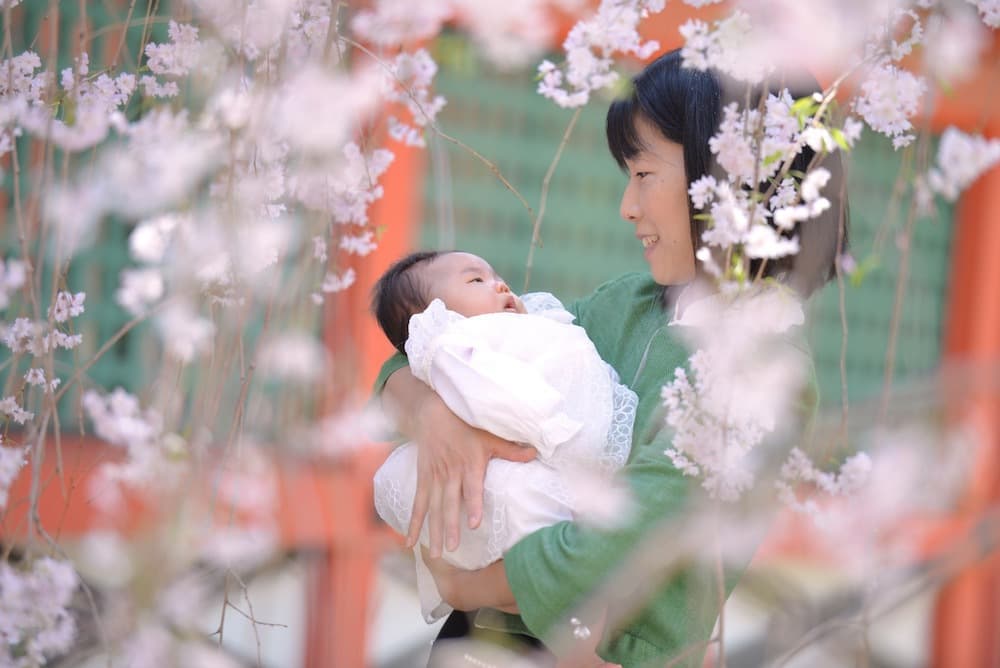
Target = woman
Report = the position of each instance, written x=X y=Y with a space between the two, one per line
x=660 y=136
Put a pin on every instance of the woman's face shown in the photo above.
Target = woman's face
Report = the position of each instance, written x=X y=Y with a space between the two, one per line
x=656 y=202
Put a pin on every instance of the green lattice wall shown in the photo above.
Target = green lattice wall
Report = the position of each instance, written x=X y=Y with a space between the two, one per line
x=586 y=242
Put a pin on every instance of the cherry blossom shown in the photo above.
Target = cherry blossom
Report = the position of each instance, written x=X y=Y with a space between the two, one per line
x=186 y=334
x=955 y=40
x=392 y=22
x=889 y=97
x=67 y=306
x=35 y=376
x=336 y=283
x=12 y=277
x=590 y=47
x=726 y=45
x=989 y=10
x=960 y=160
x=9 y=406
x=35 y=620
x=293 y=356
x=718 y=430
x=139 y=289
x=408 y=83
x=12 y=460
x=799 y=468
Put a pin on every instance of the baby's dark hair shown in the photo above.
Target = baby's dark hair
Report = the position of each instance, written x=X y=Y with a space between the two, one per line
x=399 y=294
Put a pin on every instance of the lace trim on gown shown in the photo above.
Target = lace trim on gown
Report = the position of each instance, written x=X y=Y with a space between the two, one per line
x=424 y=328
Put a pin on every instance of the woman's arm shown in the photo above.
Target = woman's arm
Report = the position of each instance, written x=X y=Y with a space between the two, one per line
x=471 y=590
x=451 y=459
x=488 y=588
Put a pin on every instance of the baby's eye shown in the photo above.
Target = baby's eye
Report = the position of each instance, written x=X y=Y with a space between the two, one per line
x=475 y=280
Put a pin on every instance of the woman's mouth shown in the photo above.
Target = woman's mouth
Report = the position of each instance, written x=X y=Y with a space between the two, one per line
x=650 y=241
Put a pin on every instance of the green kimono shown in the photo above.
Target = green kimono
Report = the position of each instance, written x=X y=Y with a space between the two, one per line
x=554 y=568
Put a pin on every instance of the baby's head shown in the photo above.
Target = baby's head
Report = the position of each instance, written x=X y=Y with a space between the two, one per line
x=466 y=284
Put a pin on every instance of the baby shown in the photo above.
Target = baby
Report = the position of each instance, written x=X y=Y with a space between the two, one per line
x=516 y=367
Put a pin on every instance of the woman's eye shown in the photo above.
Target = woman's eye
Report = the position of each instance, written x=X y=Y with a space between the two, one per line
x=642 y=174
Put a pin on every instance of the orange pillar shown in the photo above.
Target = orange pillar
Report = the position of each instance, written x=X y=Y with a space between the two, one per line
x=342 y=579
x=967 y=616
x=342 y=575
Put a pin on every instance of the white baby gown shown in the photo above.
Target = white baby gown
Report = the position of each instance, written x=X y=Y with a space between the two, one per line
x=530 y=378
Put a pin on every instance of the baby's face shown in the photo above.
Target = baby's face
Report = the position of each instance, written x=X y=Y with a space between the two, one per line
x=468 y=285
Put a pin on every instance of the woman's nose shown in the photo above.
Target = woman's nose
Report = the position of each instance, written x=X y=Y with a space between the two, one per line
x=629 y=207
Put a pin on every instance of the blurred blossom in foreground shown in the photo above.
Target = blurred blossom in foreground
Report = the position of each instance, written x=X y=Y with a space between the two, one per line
x=961 y=159
x=293 y=356
x=590 y=49
x=12 y=459
x=35 y=620
x=859 y=515
x=745 y=377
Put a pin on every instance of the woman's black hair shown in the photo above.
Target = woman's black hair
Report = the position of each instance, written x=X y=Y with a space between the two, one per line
x=398 y=294
x=686 y=105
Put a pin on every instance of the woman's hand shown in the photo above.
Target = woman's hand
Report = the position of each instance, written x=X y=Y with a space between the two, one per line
x=451 y=460
x=471 y=590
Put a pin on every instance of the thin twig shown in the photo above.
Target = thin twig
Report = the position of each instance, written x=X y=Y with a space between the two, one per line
x=901 y=280
x=432 y=124
x=125 y=329
x=121 y=42
x=720 y=577
x=546 y=182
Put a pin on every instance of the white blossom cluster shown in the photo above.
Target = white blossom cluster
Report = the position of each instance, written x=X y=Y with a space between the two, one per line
x=96 y=101
x=408 y=83
x=799 y=469
x=10 y=407
x=961 y=159
x=395 y=22
x=726 y=46
x=38 y=339
x=989 y=10
x=717 y=426
x=875 y=36
x=253 y=31
x=35 y=623
x=153 y=460
x=737 y=221
x=705 y=441
x=736 y=147
x=955 y=41
x=12 y=460
x=175 y=59
x=219 y=190
x=858 y=515
x=12 y=275
x=67 y=306
x=148 y=244
x=590 y=49
x=513 y=33
x=889 y=97
x=508 y=33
